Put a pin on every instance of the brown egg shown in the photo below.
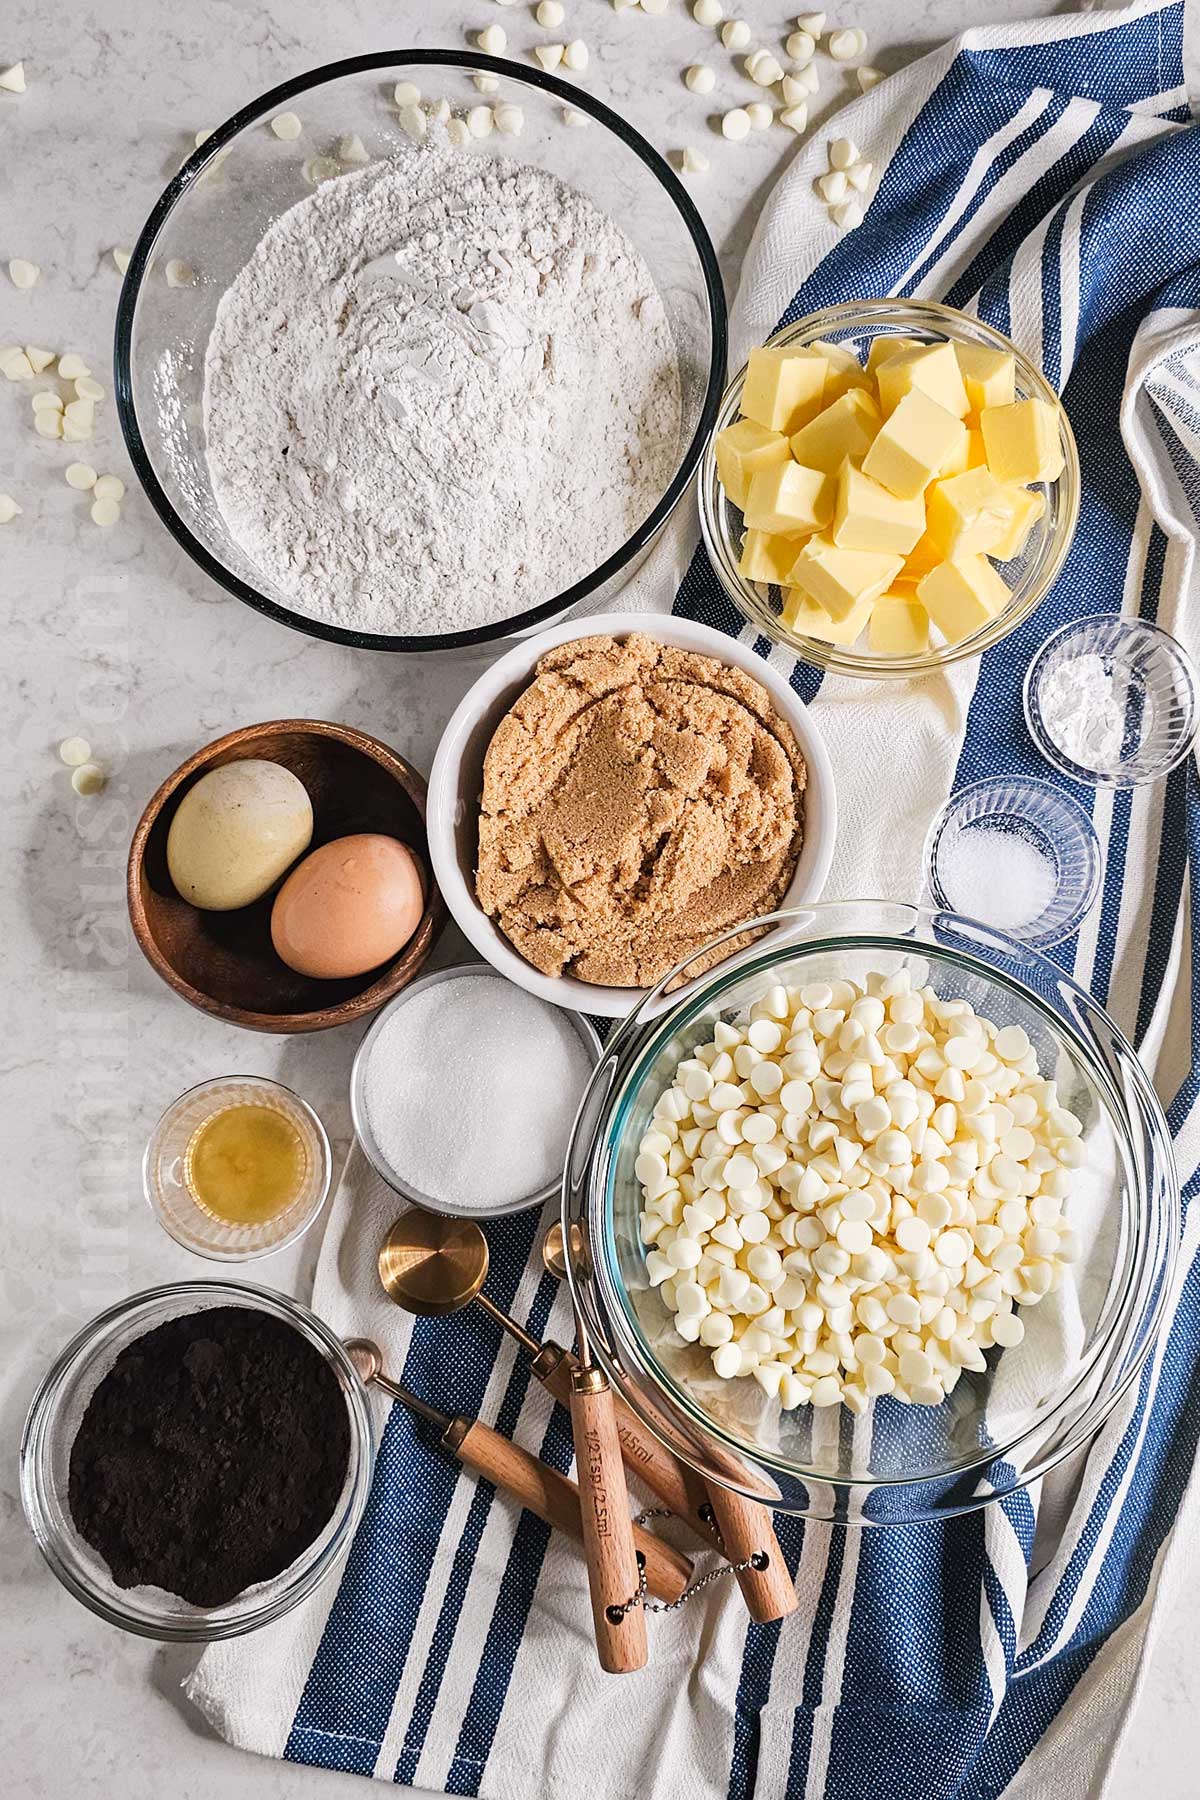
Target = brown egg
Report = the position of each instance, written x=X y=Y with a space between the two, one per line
x=348 y=907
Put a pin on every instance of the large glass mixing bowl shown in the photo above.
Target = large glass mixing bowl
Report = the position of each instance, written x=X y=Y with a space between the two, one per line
x=242 y=178
x=998 y=1429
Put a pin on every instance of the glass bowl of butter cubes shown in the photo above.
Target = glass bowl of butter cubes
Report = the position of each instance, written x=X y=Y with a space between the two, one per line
x=891 y=486
x=878 y=1222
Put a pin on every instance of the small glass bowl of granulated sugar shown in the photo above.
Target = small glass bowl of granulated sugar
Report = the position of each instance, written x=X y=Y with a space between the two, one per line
x=465 y=1089
x=1112 y=701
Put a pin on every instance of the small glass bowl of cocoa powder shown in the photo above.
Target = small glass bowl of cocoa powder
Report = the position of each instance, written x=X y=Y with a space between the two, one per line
x=53 y=1427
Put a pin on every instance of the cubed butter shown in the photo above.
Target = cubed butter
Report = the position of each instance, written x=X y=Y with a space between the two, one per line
x=839 y=580
x=783 y=388
x=1028 y=506
x=899 y=626
x=766 y=558
x=989 y=376
x=742 y=450
x=787 y=499
x=961 y=596
x=810 y=620
x=845 y=370
x=883 y=345
x=845 y=429
x=933 y=368
x=1022 y=441
x=913 y=446
x=867 y=517
x=923 y=556
x=970 y=455
x=968 y=512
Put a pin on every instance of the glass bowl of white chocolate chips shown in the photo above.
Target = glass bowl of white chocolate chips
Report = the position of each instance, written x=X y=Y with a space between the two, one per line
x=891 y=486
x=879 y=1224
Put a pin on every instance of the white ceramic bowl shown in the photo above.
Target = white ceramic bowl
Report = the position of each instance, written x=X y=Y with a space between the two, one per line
x=456 y=783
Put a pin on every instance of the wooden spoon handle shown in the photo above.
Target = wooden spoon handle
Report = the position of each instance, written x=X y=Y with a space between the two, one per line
x=555 y=1498
x=747 y=1533
x=607 y=1529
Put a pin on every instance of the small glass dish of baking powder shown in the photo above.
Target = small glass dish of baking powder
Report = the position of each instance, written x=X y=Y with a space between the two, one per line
x=1112 y=701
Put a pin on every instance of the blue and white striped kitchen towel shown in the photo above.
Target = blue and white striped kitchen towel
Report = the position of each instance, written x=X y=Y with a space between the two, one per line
x=1046 y=176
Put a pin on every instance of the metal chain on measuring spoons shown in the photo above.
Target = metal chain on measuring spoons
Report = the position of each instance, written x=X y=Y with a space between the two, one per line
x=642 y=1599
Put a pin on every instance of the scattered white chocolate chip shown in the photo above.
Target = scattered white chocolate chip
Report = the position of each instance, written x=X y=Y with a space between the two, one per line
x=509 y=119
x=12 y=79
x=406 y=93
x=848 y=216
x=694 y=162
x=82 y=412
x=708 y=12
x=71 y=366
x=485 y=83
x=351 y=149
x=763 y=68
x=75 y=751
x=40 y=360
x=179 y=273
x=574 y=119
x=74 y=431
x=794 y=117
x=413 y=122
x=459 y=133
x=844 y=46
x=813 y=23
x=320 y=168
x=121 y=257
x=867 y=77
x=109 y=487
x=700 y=78
x=89 y=778
x=794 y=91
x=620 y=6
x=548 y=56
x=575 y=56
x=18 y=366
x=23 y=274
x=655 y=7
x=105 y=512
x=48 y=424
x=736 y=124
x=761 y=115
x=842 y=152
x=8 y=509
x=492 y=40
x=83 y=477
x=45 y=401
x=809 y=78
x=286 y=125
x=480 y=121
x=439 y=111
x=833 y=186
x=550 y=14
x=735 y=35
x=859 y=176
x=801 y=46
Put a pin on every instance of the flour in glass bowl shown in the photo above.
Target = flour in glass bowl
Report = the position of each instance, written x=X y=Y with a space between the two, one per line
x=441 y=390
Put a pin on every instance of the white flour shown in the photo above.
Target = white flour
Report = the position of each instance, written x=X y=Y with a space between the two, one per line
x=440 y=391
x=1082 y=711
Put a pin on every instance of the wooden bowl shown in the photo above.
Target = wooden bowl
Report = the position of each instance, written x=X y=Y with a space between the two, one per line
x=224 y=962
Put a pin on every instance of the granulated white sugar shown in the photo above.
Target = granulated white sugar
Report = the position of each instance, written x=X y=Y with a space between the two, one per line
x=996 y=876
x=470 y=1091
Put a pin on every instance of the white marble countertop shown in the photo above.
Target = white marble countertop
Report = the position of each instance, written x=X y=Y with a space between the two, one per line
x=117 y=635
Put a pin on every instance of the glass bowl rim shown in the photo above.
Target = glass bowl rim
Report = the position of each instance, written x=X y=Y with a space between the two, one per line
x=590 y=1268
x=866 y=666
x=1119 y=777
x=306 y=1222
x=76 y=1355
x=191 y=171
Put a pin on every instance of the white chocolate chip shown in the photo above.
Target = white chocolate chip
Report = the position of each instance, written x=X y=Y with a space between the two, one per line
x=89 y=778
x=492 y=40
x=286 y=125
x=412 y=122
x=40 y=360
x=109 y=487
x=694 y=162
x=794 y=91
x=320 y=168
x=655 y=7
x=575 y=120
x=459 y=133
x=74 y=752
x=45 y=401
x=120 y=257
x=813 y=23
x=575 y=56
x=8 y=509
x=12 y=79
x=832 y=186
x=620 y=6
x=179 y=273
x=761 y=115
x=439 y=111
x=736 y=124
x=809 y=78
x=23 y=274
x=700 y=78
x=71 y=366
x=105 y=512
x=351 y=149
x=550 y=14
x=867 y=77
x=801 y=46
x=74 y=431
x=763 y=68
x=485 y=83
x=548 y=56
x=842 y=152
x=859 y=176
x=202 y=137
x=509 y=119
x=708 y=12
x=844 y=46
x=480 y=121
x=48 y=424
x=82 y=476
x=848 y=216
x=735 y=35
x=794 y=117
x=18 y=367
x=406 y=93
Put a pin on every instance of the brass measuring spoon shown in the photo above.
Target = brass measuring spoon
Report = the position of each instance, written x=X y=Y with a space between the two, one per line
x=538 y=1486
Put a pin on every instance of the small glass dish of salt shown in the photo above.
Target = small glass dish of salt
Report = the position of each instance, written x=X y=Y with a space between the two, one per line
x=1112 y=701
x=1018 y=855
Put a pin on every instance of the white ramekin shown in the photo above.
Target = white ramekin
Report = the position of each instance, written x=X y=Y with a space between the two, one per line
x=456 y=783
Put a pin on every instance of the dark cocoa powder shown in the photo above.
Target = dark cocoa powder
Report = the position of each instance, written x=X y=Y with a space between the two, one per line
x=212 y=1453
